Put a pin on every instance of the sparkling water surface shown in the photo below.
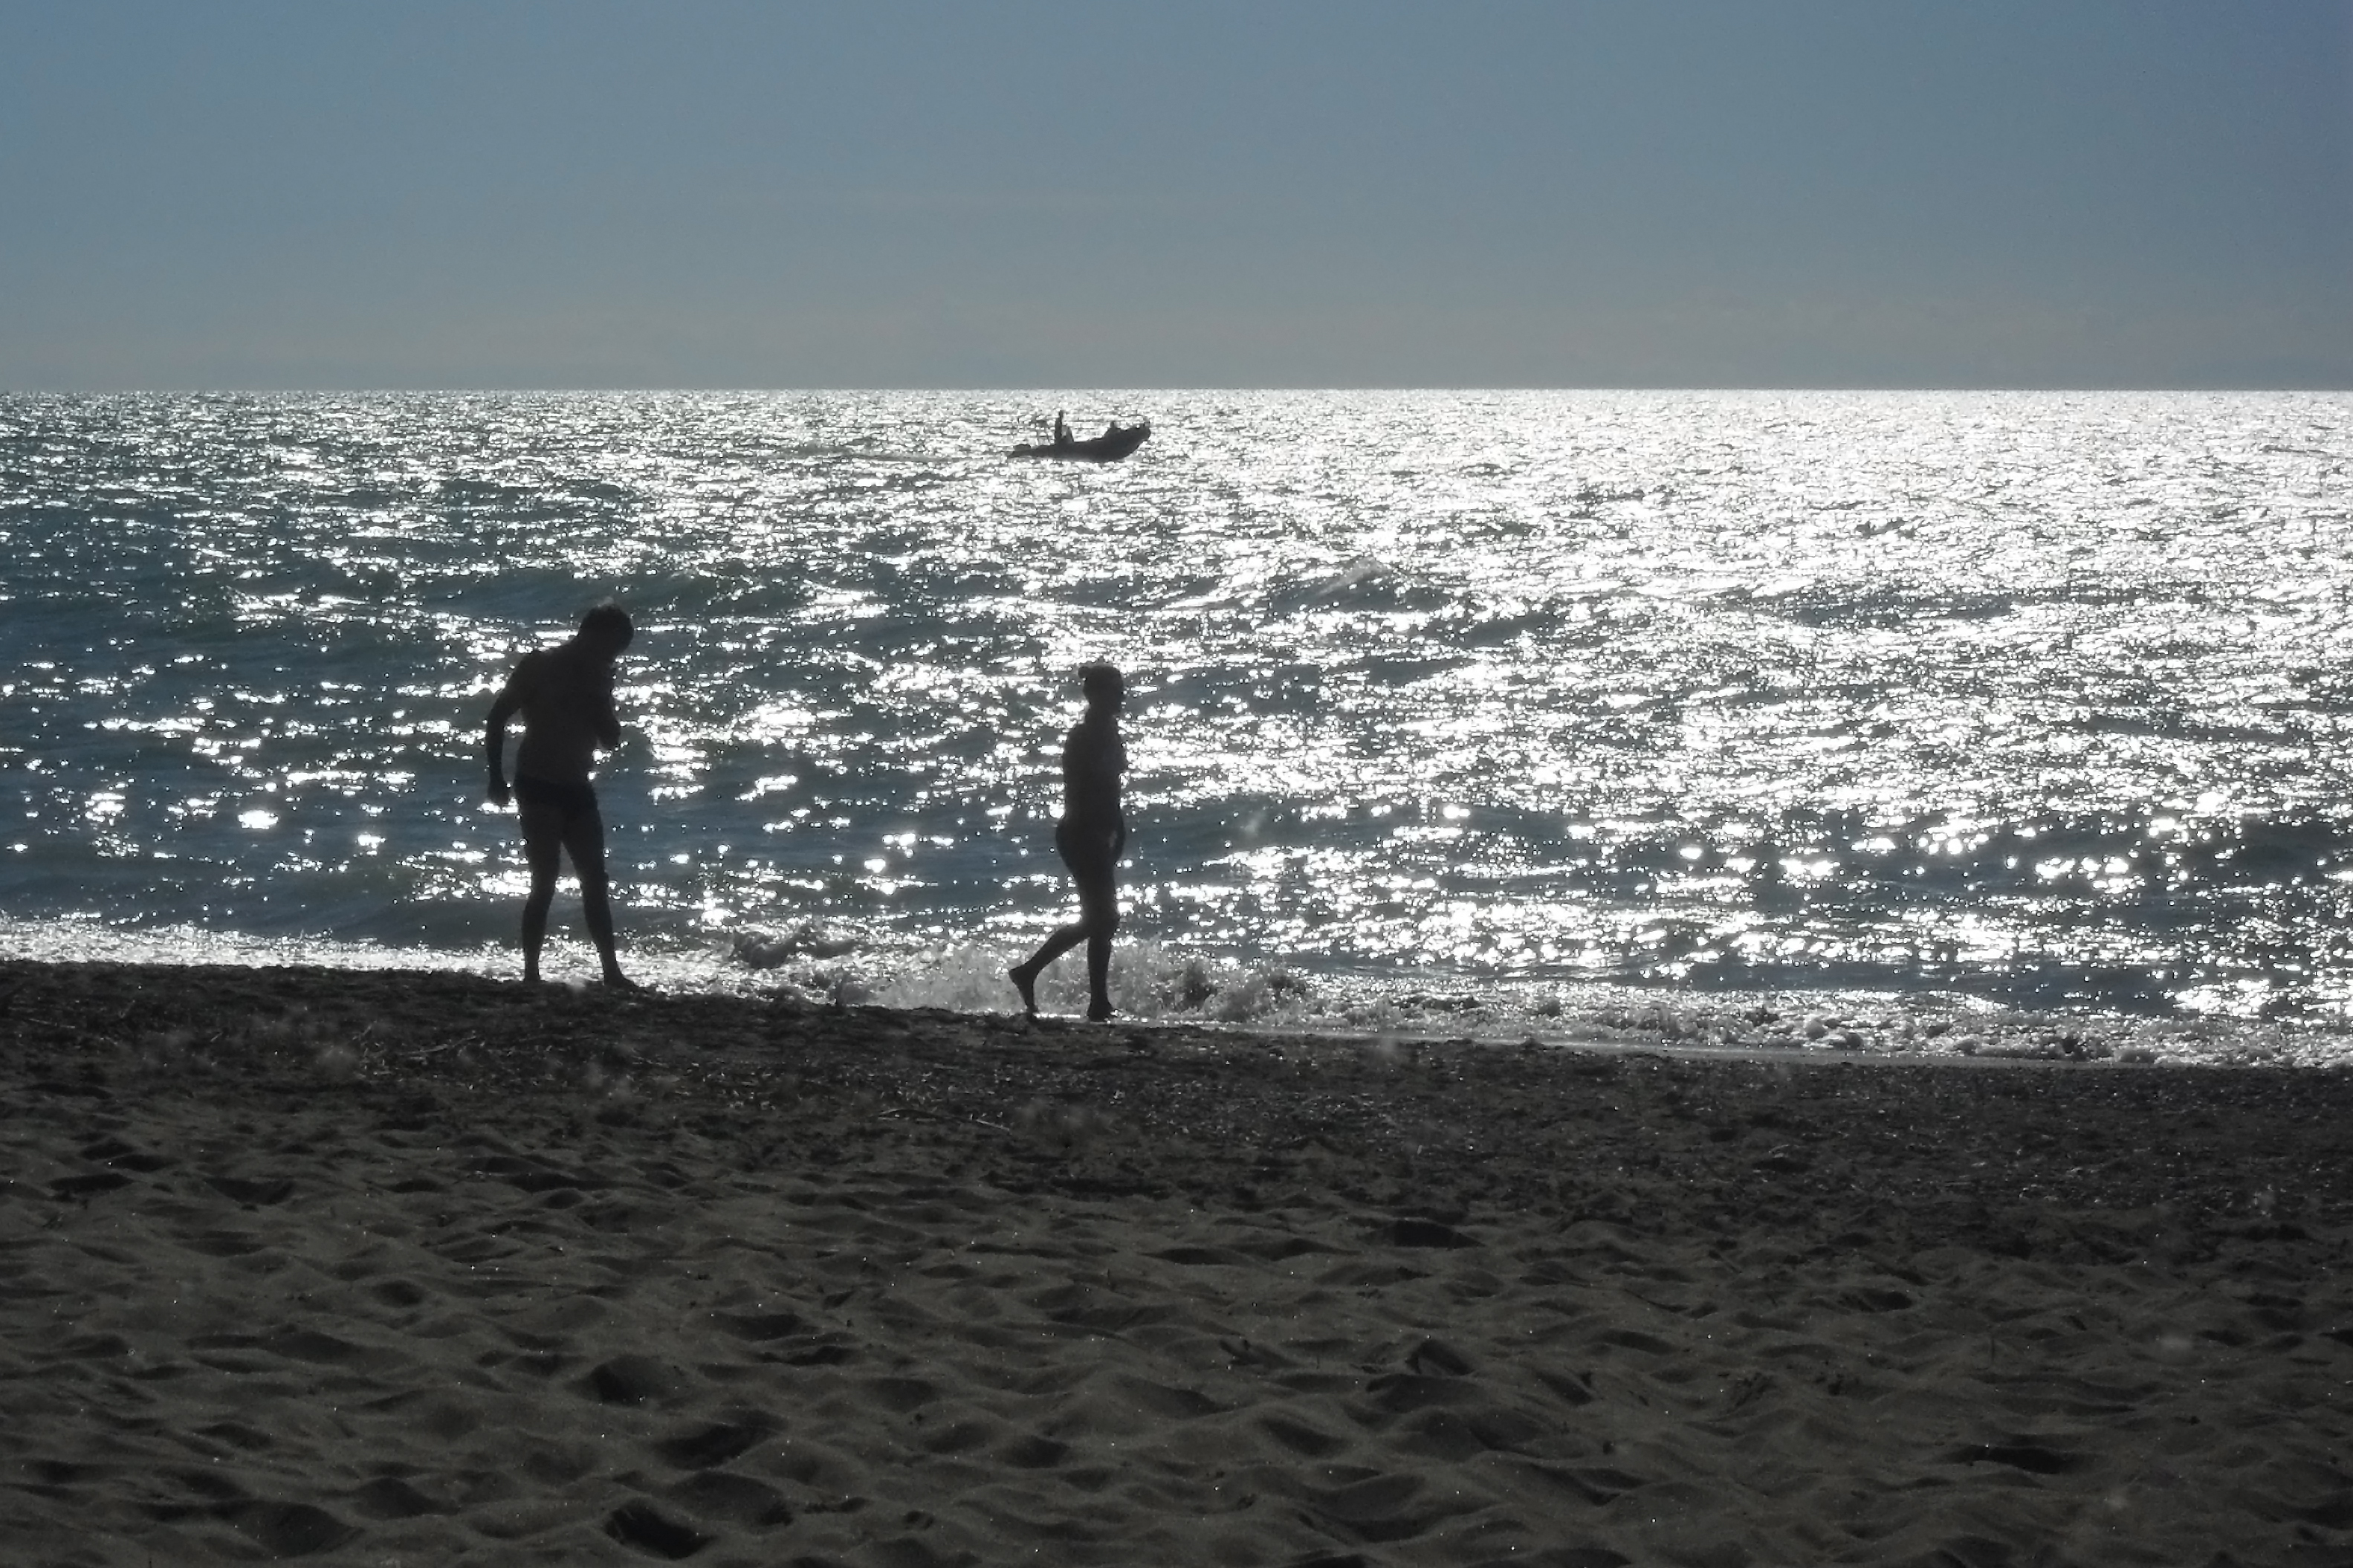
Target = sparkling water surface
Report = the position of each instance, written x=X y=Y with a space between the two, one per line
x=1488 y=713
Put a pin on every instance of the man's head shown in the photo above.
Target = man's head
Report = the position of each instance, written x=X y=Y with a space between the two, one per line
x=606 y=630
x=1103 y=685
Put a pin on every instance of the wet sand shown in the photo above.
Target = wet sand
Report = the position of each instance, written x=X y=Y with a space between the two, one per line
x=426 y=1269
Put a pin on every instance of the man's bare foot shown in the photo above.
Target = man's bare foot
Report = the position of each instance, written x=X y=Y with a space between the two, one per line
x=1025 y=980
x=1101 y=1013
x=617 y=981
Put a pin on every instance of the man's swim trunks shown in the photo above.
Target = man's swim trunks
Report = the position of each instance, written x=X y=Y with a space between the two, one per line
x=570 y=802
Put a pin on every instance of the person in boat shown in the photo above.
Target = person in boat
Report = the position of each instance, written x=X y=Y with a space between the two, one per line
x=564 y=694
x=1061 y=431
x=1090 y=838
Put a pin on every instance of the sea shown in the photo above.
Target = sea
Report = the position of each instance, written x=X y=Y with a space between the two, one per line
x=2002 y=723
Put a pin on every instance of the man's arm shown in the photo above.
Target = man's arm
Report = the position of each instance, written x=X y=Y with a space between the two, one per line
x=603 y=719
x=494 y=739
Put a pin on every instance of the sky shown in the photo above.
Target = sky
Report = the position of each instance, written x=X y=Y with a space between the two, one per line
x=224 y=193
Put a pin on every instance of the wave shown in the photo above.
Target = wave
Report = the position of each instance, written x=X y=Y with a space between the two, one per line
x=1161 y=984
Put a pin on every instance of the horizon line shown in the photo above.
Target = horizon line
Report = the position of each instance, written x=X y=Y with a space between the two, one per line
x=586 y=391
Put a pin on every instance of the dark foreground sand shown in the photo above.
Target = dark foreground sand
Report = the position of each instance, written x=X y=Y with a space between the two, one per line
x=419 y=1268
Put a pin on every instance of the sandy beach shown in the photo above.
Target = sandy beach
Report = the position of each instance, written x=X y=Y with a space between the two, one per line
x=426 y=1268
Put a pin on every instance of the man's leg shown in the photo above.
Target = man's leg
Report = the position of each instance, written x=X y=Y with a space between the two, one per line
x=583 y=841
x=543 y=848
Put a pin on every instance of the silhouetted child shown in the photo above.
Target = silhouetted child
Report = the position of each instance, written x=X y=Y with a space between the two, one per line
x=564 y=694
x=1090 y=838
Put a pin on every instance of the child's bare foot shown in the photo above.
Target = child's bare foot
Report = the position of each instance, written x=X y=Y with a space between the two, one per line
x=1025 y=980
x=1100 y=1013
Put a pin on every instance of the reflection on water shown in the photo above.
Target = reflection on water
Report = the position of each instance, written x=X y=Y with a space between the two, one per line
x=2035 y=698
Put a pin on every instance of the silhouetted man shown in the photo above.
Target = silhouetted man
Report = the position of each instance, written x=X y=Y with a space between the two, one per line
x=564 y=694
x=1090 y=838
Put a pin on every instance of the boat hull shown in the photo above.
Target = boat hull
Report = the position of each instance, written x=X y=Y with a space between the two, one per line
x=1108 y=447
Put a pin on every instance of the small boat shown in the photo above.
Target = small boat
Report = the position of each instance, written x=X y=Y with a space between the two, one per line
x=1116 y=442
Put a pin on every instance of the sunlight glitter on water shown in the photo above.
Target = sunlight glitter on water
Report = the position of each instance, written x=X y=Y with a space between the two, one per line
x=2030 y=698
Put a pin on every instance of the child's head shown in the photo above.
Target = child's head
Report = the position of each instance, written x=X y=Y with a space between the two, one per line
x=1103 y=685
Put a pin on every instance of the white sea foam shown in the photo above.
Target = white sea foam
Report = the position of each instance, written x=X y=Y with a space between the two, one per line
x=1155 y=985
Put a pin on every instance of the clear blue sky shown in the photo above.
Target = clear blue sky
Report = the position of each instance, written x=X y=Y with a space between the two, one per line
x=1279 y=193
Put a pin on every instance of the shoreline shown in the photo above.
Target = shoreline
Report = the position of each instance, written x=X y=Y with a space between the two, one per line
x=367 y=1264
x=1593 y=1014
